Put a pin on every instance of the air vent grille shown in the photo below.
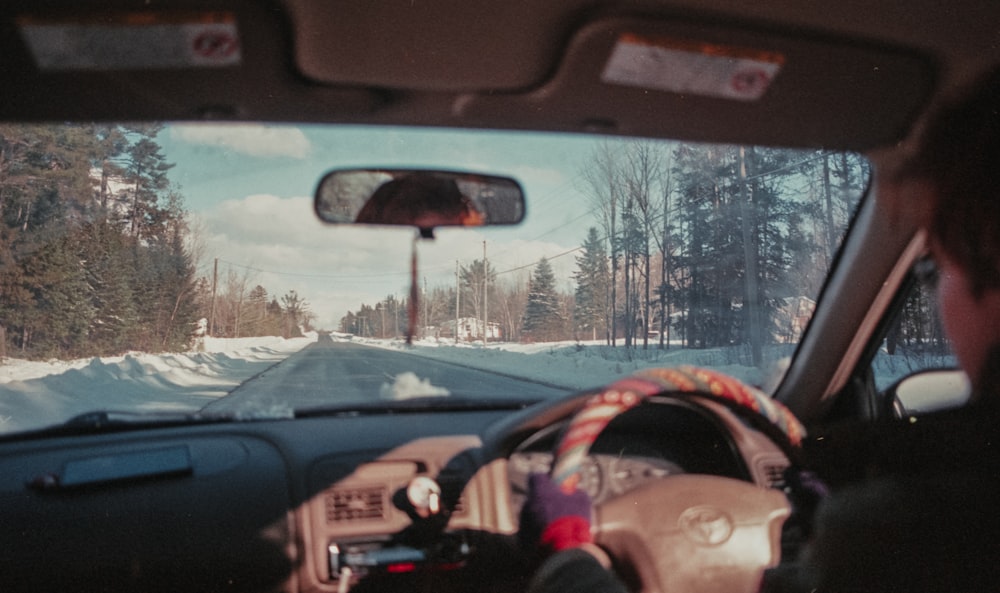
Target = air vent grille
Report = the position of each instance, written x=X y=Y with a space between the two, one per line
x=459 y=507
x=356 y=504
x=775 y=475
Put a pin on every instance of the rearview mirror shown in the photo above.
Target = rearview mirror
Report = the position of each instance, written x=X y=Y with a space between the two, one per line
x=420 y=198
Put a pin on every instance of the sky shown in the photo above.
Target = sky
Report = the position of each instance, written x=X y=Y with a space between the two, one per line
x=248 y=189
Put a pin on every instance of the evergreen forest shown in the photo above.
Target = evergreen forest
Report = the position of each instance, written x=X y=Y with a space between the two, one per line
x=95 y=251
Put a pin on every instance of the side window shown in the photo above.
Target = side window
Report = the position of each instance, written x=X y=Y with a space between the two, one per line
x=915 y=340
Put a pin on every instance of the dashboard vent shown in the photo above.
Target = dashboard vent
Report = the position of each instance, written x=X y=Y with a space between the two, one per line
x=356 y=504
x=775 y=475
x=459 y=508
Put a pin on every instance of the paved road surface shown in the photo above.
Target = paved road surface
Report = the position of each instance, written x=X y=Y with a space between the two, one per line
x=333 y=373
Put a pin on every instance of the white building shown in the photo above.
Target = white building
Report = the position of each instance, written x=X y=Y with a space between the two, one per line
x=469 y=329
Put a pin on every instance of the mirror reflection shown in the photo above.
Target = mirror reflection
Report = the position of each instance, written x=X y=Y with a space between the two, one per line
x=418 y=198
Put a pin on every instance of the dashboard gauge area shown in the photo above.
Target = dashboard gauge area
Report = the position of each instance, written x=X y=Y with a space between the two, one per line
x=604 y=476
x=650 y=442
x=627 y=473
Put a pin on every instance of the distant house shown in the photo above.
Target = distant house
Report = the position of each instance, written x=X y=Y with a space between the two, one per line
x=791 y=318
x=469 y=329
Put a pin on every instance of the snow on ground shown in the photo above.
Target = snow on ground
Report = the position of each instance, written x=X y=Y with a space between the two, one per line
x=573 y=365
x=36 y=394
x=584 y=365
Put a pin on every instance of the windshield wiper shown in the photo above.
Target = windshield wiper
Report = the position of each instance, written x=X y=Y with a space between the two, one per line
x=416 y=405
x=105 y=421
x=109 y=421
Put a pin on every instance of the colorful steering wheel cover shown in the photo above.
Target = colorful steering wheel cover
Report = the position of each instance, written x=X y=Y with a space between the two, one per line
x=631 y=391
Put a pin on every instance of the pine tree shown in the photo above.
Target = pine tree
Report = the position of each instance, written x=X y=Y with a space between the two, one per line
x=59 y=316
x=111 y=275
x=256 y=315
x=146 y=174
x=593 y=283
x=542 y=318
x=176 y=312
x=44 y=193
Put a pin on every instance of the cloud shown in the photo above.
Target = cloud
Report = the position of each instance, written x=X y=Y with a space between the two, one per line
x=279 y=244
x=252 y=139
x=540 y=175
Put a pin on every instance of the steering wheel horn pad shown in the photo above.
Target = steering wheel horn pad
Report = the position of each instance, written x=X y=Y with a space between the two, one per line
x=694 y=533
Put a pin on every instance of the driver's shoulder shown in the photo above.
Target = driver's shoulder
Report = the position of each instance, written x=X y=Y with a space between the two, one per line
x=926 y=506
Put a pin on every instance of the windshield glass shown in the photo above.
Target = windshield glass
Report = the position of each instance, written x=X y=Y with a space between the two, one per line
x=180 y=268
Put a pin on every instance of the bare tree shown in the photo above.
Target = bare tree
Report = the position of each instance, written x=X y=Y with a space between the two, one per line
x=602 y=176
x=235 y=299
x=643 y=176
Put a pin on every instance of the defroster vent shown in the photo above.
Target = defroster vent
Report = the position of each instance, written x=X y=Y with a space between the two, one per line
x=356 y=504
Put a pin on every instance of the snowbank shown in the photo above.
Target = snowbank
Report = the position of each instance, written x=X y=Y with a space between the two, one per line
x=35 y=394
x=32 y=394
x=572 y=365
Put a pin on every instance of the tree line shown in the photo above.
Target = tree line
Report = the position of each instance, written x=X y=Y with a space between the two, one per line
x=95 y=248
x=695 y=244
x=713 y=246
x=515 y=310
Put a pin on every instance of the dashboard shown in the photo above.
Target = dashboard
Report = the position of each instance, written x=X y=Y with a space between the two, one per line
x=327 y=503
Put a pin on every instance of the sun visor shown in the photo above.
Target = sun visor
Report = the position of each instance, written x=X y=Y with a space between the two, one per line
x=686 y=80
x=227 y=62
x=428 y=46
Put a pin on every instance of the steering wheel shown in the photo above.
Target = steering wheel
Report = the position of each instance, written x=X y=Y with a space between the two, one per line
x=686 y=533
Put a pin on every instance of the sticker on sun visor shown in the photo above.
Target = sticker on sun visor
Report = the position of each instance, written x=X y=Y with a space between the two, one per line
x=133 y=41
x=693 y=68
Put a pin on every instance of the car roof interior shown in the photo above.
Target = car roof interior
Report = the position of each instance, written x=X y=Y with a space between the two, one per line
x=855 y=75
x=529 y=65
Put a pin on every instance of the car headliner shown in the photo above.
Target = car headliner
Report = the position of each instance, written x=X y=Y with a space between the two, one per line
x=533 y=65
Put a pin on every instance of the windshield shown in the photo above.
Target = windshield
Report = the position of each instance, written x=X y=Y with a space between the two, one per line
x=181 y=268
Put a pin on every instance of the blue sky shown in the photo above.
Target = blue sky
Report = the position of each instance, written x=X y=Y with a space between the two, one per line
x=249 y=190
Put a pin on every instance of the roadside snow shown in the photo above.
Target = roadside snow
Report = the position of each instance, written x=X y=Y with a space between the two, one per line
x=36 y=394
x=572 y=365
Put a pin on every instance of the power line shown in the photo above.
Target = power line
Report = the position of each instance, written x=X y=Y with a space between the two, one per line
x=534 y=263
x=304 y=275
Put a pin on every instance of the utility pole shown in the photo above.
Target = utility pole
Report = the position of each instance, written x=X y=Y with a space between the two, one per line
x=458 y=298
x=486 y=281
x=215 y=283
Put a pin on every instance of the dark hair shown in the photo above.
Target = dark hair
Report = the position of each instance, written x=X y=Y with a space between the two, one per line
x=959 y=154
x=404 y=199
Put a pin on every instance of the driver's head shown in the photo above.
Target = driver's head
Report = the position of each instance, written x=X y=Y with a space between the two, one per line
x=421 y=200
x=955 y=173
x=959 y=159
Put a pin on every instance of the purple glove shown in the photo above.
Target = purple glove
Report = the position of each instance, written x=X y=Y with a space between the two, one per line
x=554 y=519
x=805 y=491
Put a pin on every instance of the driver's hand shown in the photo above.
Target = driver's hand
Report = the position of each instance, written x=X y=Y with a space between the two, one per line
x=553 y=519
